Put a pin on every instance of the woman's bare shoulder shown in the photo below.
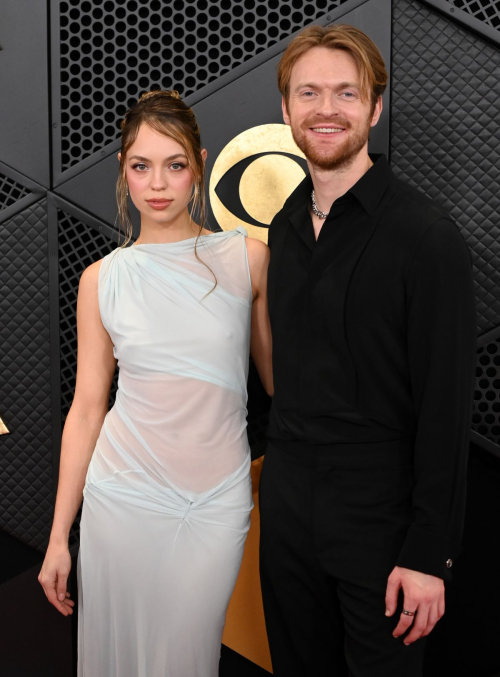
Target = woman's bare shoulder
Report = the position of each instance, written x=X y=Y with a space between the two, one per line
x=90 y=276
x=258 y=251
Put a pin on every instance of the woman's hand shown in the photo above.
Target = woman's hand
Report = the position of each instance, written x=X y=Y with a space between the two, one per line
x=53 y=578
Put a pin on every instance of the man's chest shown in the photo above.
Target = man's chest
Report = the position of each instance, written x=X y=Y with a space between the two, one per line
x=351 y=268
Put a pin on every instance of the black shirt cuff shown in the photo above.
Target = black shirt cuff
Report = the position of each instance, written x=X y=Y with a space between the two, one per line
x=426 y=552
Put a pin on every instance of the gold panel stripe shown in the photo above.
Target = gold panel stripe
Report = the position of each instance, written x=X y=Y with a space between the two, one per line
x=3 y=428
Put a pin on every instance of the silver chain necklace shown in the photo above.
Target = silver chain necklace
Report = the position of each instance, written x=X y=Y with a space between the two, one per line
x=318 y=212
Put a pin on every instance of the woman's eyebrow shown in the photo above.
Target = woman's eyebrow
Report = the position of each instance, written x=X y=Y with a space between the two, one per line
x=145 y=159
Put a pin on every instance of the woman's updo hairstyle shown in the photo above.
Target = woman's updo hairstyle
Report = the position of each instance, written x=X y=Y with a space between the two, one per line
x=166 y=113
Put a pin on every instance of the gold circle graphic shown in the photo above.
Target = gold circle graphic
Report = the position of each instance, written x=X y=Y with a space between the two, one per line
x=272 y=138
x=266 y=184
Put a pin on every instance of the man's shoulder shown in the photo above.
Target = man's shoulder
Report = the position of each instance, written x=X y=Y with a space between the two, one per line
x=413 y=222
x=412 y=208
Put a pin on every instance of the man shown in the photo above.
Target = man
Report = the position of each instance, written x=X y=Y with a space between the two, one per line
x=372 y=311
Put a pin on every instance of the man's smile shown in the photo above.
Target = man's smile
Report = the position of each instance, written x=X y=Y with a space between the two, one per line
x=327 y=130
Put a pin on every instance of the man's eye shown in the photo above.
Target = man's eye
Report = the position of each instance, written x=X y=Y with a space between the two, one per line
x=308 y=95
x=348 y=95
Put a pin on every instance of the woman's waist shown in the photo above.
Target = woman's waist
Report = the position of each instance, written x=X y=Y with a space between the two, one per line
x=166 y=456
x=166 y=490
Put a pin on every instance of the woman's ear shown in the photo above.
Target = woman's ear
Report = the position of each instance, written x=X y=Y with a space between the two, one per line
x=204 y=154
x=119 y=157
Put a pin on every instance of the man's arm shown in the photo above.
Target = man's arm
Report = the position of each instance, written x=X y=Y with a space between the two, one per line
x=441 y=336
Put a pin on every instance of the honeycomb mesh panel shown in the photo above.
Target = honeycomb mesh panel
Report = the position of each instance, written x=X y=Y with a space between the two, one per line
x=487 y=11
x=446 y=132
x=112 y=51
x=26 y=474
x=486 y=413
x=79 y=246
x=10 y=191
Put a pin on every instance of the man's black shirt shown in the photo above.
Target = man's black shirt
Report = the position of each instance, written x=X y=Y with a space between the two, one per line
x=374 y=338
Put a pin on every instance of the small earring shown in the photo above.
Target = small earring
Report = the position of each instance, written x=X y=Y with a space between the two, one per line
x=126 y=191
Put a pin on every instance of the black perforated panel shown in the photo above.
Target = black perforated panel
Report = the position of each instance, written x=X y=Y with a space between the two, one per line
x=10 y=191
x=114 y=50
x=486 y=416
x=26 y=477
x=487 y=11
x=446 y=132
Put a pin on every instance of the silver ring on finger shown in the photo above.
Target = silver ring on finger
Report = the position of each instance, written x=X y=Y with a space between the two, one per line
x=408 y=613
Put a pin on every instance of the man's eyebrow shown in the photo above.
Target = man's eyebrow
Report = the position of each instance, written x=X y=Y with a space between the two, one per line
x=341 y=85
x=145 y=159
x=350 y=85
x=309 y=85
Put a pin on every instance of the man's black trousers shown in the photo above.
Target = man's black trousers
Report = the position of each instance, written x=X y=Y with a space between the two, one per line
x=333 y=520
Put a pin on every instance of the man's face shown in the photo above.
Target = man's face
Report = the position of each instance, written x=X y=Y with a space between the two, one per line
x=330 y=121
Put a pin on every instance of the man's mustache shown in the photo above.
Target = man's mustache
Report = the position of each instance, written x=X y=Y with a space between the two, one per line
x=338 y=122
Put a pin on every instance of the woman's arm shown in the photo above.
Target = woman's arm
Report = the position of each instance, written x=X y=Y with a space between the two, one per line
x=95 y=369
x=260 y=340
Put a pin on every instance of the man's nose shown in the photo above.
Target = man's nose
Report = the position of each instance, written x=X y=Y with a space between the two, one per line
x=328 y=105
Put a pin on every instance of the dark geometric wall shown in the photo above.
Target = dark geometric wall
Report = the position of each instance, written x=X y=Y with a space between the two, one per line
x=101 y=54
x=445 y=140
x=26 y=455
x=445 y=132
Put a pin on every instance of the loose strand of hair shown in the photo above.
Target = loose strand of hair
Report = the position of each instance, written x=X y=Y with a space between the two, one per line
x=199 y=204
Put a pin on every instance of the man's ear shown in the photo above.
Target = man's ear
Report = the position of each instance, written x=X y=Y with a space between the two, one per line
x=204 y=154
x=286 y=117
x=377 y=112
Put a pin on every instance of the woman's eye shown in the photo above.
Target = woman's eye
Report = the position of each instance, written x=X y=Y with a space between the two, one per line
x=177 y=166
x=140 y=166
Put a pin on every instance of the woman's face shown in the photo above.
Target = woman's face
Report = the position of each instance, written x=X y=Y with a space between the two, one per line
x=159 y=177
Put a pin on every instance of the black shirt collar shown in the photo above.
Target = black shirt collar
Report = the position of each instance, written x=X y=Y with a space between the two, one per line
x=368 y=190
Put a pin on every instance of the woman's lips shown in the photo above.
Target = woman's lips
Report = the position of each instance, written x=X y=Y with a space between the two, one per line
x=159 y=204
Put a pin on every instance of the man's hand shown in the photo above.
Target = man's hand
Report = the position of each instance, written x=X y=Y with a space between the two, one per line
x=423 y=595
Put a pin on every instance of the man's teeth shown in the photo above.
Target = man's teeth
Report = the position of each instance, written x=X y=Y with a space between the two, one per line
x=327 y=130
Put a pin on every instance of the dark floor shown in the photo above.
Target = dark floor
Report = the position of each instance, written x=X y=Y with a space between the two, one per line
x=15 y=557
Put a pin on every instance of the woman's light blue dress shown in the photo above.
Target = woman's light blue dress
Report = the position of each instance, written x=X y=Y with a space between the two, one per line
x=168 y=494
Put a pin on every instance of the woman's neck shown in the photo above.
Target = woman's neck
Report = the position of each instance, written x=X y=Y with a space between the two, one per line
x=181 y=228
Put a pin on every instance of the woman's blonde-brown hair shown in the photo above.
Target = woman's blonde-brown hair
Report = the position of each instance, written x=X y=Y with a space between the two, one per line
x=166 y=113
x=372 y=72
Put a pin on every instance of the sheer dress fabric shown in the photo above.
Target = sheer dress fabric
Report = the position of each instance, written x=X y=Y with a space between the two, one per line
x=168 y=493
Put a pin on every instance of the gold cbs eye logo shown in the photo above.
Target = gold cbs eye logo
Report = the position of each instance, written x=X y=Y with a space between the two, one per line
x=253 y=176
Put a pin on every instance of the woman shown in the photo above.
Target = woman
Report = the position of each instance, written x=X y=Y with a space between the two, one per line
x=166 y=471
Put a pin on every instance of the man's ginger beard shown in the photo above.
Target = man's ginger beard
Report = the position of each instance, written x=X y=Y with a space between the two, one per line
x=331 y=158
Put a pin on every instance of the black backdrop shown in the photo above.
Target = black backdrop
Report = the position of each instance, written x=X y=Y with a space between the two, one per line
x=69 y=70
